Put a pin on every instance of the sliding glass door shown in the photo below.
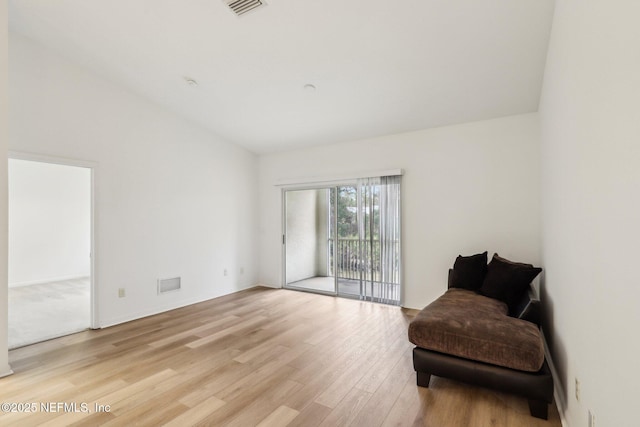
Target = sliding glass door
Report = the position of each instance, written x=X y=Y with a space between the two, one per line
x=345 y=240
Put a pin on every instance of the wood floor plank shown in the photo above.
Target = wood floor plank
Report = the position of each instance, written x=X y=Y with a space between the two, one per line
x=311 y=416
x=197 y=413
x=375 y=411
x=269 y=357
x=335 y=393
x=192 y=332
x=379 y=371
x=346 y=411
x=406 y=407
x=257 y=411
x=247 y=324
x=281 y=417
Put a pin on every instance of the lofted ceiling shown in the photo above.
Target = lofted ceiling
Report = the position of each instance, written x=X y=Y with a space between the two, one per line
x=379 y=67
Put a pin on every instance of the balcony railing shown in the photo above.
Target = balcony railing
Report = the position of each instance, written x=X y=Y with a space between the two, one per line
x=359 y=259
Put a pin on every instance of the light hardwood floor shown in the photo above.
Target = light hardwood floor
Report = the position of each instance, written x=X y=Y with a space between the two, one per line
x=262 y=357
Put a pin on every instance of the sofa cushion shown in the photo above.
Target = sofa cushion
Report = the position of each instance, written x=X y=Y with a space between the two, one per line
x=469 y=271
x=507 y=280
x=464 y=324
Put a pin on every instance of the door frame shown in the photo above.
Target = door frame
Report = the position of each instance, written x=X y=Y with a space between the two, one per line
x=283 y=193
x=92 y=166
x=335 y=186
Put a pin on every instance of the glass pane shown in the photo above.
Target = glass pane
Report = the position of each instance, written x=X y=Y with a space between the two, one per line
x=348 y=248
x=308 y=243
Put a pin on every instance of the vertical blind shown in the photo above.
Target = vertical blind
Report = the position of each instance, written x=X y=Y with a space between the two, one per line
x=379 y=234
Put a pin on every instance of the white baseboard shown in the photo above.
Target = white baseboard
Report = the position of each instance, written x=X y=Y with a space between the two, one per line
x=558 y=392
x=266 y=285
x=49 y=280
x=6 y=371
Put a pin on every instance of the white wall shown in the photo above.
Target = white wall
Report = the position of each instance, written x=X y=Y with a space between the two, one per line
x=172 y=199
x=4 y=122
x=49 y=222
x=466 y=189
x=590 y=132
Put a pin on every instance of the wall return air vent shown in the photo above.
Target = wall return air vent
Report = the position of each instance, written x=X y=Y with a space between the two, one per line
x=240 y=7
x=169 y=285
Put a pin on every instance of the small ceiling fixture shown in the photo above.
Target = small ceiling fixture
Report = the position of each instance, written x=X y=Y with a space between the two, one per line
x=191 y=82
x=309 y=87
x=240 y=7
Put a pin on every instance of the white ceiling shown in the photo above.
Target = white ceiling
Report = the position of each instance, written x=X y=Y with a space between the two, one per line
x=380 y=67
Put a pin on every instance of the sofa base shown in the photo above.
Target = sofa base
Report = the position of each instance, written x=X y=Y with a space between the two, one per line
x=537 y=387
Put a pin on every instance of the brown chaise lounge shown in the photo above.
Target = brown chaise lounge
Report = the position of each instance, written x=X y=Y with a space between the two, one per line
x=471 y=338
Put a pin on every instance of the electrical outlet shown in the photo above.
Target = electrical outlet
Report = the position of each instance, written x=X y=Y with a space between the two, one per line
x=121 y=293
x=226 y=273
x=577 y=389
x=241 y=270
x=592 y=419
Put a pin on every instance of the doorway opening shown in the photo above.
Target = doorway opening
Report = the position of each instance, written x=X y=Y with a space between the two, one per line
x=344 y=240
x=50 y=250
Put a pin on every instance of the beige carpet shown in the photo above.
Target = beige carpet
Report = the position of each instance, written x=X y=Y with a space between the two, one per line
x=41 y=312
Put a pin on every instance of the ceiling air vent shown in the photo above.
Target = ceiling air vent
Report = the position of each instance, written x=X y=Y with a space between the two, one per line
x=240 y=7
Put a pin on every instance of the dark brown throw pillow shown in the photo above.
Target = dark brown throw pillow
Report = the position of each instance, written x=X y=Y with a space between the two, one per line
x=507 y=280
x=469 y=271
